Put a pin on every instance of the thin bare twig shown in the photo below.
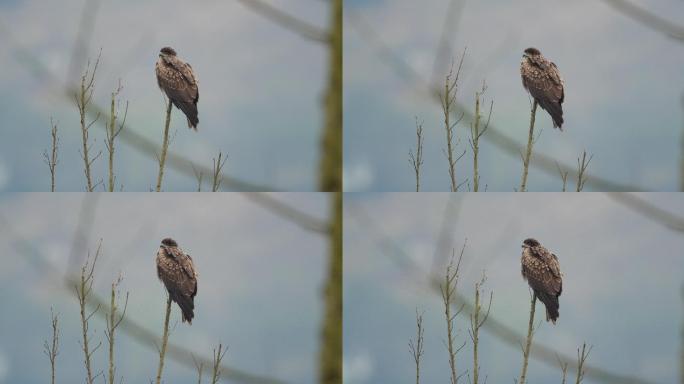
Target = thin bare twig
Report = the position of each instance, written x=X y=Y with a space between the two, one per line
x=218 y=356
x=416 y=347
x=477 y=320
x=83 y=97
x=83 y=290
x=165 y=340
x=51 y=158
x=165 y=146
x=416 y=160
x=476 y=133
x=564 y=177
x=199 y=366
x=51 y=349
x=581 y=358
x=564 y=369
x=216 y=177
x=528 y=342
x=113 y=321
x=448 y=98
x=198 y=177
x=528 y=153
x=582 y=164
x=448 y=290
x=113 y=131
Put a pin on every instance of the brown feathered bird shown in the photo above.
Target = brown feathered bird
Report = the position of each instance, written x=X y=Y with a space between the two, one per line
x=543 y=80
x=176 y=270
x=176 y=78
x=542 y=271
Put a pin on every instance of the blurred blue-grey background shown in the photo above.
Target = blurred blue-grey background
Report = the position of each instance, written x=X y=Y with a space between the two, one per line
x=622 y=286
x=260 y=90
x=259 y=292
x=623 y=90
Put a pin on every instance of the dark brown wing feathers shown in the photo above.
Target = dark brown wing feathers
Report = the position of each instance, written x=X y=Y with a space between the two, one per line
x=178 y=81
x=176 y=270
x=542 y=271
x=542 y=79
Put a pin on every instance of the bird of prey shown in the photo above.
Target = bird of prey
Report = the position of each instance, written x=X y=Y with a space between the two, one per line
x=176 y=270
x=179 y=83
x=542 y=271
x=541 y=78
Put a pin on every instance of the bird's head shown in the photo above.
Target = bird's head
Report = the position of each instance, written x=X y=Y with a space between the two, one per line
x=167 y=51
x=169 y=242
x=528 y=243
x=531 y=52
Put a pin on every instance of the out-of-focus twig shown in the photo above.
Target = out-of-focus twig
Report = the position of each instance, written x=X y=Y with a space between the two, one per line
x=287 y=21
x=330 y=168
x=649 y=210
x=648 y=19
x=300 y=218
x=330 y=360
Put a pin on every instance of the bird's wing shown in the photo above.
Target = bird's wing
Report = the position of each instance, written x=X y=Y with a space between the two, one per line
x=544 y=81
x=551 y=274
x=176 y=82
x=190 y=283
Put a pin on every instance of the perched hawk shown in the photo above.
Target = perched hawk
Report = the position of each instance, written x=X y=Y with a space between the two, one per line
x=178 y=81
x=541 y=270
x=176 y=270
x=541 y=78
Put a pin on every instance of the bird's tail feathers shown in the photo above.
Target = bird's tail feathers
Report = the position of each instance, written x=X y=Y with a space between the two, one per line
x=556 y=112
x=551 y=304
x=187 y=306
x=190 y=111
